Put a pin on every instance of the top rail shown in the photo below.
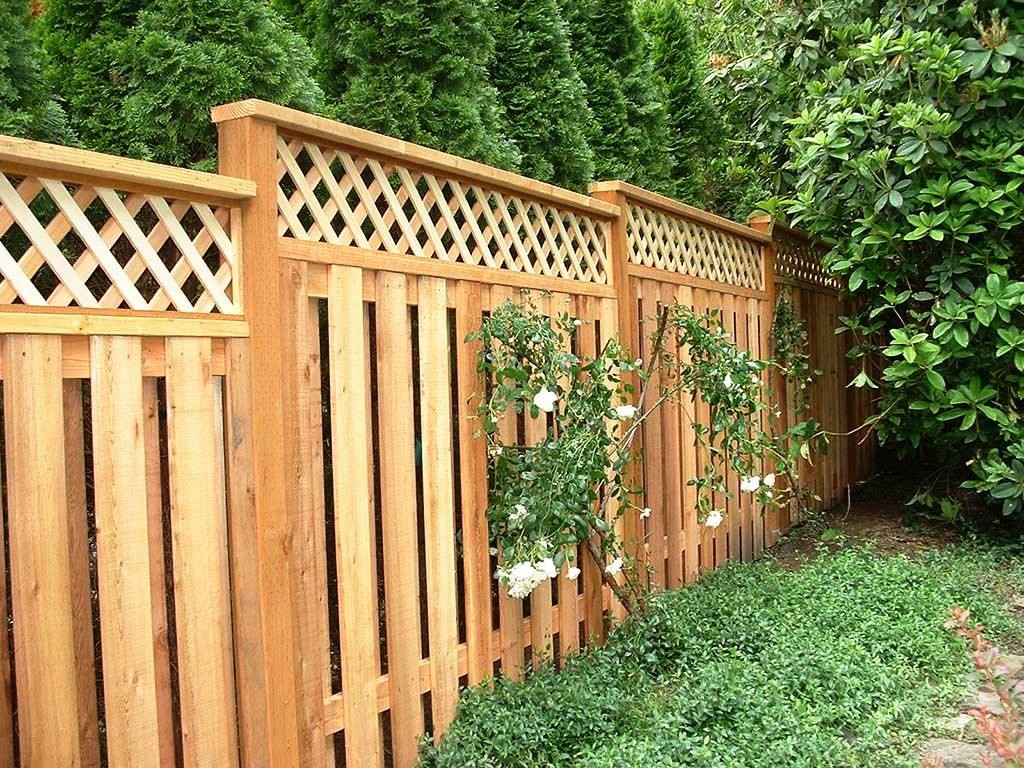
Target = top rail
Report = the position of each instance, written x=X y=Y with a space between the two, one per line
x=679 y=209
x=45 y=158
x=305 y=125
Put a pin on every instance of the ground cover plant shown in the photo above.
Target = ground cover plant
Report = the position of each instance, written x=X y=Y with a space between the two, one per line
x=838 y=663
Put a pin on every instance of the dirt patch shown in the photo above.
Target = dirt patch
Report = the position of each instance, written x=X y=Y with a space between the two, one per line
x=877 y=513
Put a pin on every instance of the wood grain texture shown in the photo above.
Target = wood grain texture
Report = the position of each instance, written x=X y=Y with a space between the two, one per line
x=438 y=500
x=123 y=552
x=398 y=502
x=353 y=517
x=41 y=578
x=199 y=535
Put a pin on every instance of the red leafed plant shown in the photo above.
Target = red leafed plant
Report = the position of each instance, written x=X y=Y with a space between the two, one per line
x=1002 y=726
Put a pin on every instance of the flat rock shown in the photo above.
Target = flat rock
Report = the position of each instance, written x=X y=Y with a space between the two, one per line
x=960 y=727
x=957 y=754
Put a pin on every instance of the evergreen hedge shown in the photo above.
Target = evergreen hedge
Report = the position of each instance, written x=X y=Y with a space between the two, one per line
x=543 y=96
x=139 y=78
x=416 y=70
x=26 y=106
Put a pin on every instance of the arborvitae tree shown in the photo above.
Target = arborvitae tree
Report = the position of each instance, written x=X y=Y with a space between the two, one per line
x=26 y=108
x=416 y=70
x=695 y=126
x=140 y=81
x=542 y=93
x=303 y=15
x=629 y=133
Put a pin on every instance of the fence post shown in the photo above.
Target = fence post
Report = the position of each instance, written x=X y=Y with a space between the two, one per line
x=773 y=522
x=629 y=335
x=258 y=458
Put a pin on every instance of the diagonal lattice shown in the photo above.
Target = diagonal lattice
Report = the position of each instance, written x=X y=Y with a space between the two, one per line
x=89 y=246
x=330 y=195
x=676 y=244
x=800 y=259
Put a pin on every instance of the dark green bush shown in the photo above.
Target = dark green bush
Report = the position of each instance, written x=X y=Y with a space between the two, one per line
x=140 y=79
x=26 y=106
x=541 y=92
x=629 y=132
x=415 y=70
x=837 y=664
x=903 y=147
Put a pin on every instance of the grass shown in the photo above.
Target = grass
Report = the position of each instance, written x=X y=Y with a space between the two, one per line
x=839 y=663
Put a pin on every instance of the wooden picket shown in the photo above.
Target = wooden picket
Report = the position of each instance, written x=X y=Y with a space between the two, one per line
x=241 y=475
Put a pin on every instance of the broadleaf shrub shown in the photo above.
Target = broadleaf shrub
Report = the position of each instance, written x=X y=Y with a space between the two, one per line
x=905 y=148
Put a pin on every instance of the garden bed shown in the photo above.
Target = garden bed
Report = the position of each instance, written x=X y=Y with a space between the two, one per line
x=842 y=661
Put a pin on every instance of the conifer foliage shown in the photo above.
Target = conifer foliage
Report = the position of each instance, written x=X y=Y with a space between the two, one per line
x=26 y=108
x=139 y=78
x=696 y=130
x=543 y=96
x=629 y=132
x=416 y=70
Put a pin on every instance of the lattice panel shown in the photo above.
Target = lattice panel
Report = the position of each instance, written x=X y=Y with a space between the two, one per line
x=86 y=246
x=333 y=196
x=676 y=244
x=800 y=259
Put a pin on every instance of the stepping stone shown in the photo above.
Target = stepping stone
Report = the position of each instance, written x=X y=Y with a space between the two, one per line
x=957 y=754
x=960 y=727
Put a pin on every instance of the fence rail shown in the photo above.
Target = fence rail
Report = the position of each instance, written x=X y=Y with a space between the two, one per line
x=245 y=503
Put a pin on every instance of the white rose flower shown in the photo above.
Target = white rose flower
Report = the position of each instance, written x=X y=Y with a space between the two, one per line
x=547 y=567
x=769 y=480
x=573 y=573
x=521 y=579
x=518 y=516
x=614 y=566
x=750 y=484
x=577 y=322
x=714 y=519
x=624 y=412
x=727 y=381
x=645 y=512
x=545 y=399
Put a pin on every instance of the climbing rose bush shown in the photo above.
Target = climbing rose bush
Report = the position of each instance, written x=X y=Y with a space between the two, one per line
x=572 y=488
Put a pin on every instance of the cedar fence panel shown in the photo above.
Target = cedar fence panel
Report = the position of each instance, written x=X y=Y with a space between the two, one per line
x=244 y=504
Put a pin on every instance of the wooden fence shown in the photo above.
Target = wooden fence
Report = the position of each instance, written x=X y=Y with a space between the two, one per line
x=244 y=505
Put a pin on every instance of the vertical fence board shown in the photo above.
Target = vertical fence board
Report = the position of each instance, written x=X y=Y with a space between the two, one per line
x=398 y=501
x=306 y=554
x=81 y=587
x=438 y=500
x=688 y=461
x=473 y=488
x=322 y=643
x=671 y=460
x=200 y=559
x=122 y=547
x=250 y=625
x=654 y=449
x=353 y=518
x=593 y=597
x=157 y=571
x=541 y=626
x=758 y=319
x=6 y=683
x=510 y=610
x=41 y=585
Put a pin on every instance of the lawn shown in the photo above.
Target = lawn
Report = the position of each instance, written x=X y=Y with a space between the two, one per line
x=842 y=661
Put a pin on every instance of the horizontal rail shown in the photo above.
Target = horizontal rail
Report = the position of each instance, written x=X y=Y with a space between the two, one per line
x=676 y=208
x=653 y=273
x=343 y=255
x=61 y=161
x=305 y=125
x=117 y=322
